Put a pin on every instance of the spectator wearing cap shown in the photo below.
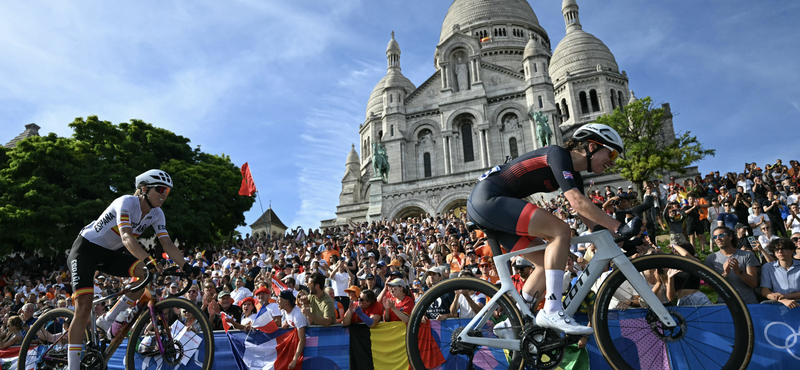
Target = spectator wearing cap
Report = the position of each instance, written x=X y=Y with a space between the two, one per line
x=224 y=303
x=320 y=310
x=293 y=317
x=174 y=289
x=381 y=273
x=523 y=268
x=780 y=280
x=263 y=296
x=487 y=270
x=399 y=305
x=368 y=283
x=249 y=314
x=365 y=308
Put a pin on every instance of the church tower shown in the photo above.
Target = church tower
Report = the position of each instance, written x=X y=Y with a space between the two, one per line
x=394 y=113
x=586 y=79
x=538 y=85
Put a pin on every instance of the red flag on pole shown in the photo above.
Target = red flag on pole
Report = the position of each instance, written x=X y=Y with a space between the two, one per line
x=248 y=186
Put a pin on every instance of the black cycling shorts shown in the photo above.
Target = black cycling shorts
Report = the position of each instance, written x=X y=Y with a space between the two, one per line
x=86 y=257
x=509 y=217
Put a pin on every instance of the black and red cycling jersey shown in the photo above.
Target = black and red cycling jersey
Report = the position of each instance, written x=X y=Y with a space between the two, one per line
x=541 y=171
x=496 y=202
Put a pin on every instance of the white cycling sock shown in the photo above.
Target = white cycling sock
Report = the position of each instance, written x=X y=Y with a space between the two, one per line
x=74 y=356
x=122 y=304
x=554 y=281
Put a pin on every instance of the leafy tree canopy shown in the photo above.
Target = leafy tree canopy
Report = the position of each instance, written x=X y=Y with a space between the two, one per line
x=647 y=155
x=51 y=187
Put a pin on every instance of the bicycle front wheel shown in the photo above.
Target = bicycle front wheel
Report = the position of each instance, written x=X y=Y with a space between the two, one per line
x=45 y=345
x=430 y=343
x=714 y=327
x=179 y=337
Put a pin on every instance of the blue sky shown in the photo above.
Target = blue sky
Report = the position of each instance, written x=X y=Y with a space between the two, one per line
x=284 y=85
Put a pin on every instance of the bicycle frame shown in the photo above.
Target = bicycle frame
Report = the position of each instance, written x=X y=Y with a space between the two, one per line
x=607 y=251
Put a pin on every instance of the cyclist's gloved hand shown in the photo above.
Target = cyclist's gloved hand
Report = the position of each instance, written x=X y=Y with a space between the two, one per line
x=630 y=229
x=150 y=264
x=629 y=246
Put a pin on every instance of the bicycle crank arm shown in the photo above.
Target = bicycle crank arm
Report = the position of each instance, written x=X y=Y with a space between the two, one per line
x=558 y=343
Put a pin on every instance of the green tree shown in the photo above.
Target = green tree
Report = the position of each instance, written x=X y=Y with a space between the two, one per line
x=50 y=186
x=646 y=154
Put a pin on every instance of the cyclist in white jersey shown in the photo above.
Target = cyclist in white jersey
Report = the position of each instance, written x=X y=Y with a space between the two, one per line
x=96 y=249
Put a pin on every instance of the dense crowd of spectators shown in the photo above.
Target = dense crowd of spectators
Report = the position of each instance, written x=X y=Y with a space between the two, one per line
x=373 y=272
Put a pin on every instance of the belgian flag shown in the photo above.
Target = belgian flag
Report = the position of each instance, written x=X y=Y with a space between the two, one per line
x=384 y=347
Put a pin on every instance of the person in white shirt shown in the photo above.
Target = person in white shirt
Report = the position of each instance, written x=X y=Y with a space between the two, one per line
x=292 y=316
x=793 y=219
x=340 y=279
x=241 y=292
x=757 y=219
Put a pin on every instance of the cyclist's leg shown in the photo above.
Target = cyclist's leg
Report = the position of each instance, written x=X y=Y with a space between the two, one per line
x=122 y=264
x=82 y=262
x=545 y=225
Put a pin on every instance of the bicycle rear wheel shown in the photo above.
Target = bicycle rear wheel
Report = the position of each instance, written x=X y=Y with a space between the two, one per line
x=430 y=344
x=45 y=345
x=181 y=329
x=714 y=327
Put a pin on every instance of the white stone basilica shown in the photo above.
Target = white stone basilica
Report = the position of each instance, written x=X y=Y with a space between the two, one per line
x=493 y=66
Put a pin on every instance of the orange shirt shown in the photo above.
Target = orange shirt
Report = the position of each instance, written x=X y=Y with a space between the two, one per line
x=703 y=211
x=406 y=305
x=456 y=260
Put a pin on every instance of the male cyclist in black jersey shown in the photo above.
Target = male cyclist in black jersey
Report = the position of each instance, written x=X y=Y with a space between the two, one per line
x=496 y=204
x=96 y=249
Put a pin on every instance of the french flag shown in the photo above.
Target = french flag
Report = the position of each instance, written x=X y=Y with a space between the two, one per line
x=266 y=348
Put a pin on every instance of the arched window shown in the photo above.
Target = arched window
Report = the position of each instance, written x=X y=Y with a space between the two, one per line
x=565 y=107
x=619 y=93
x=426 y=163
x=512 y=147
x=595 y=101
x=391 y=98
x=380 y=136
x=613 y=101
x=466 y=139
x=584 y=102
x=535 y=68
x=541 y=103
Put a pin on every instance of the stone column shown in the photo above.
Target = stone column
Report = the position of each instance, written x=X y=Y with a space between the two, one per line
x=484 y=150
x=446 y=153
x=445 y=75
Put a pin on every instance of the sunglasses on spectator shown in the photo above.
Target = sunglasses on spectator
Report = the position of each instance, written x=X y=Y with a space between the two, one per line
x=361 y=299
x=795 y=239
x=720 y=236
x=612 y=155
x=163 y=190
x=785 y=250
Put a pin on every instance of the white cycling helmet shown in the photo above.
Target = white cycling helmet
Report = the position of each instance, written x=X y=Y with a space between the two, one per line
x=600 y=133
x=153 y=178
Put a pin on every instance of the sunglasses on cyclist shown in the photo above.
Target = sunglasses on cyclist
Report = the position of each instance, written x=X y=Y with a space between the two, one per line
x=612 y=155
x=163 y=190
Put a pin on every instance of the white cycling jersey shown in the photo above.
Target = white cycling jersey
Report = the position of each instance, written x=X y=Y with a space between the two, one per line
x=123 y=212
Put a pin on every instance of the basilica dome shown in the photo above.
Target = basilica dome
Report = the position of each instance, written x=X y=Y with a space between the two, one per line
x=579 y=51
x=467 y=13
x=375 y=103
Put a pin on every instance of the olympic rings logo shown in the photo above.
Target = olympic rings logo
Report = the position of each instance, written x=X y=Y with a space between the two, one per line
x=790 y=341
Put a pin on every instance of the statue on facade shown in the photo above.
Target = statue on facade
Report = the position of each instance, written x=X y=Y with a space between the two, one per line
x=461 y=75
x=543 y=131
x=380 y=161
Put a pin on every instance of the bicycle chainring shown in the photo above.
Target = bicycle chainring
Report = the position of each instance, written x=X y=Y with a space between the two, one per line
x=533 y=339
x=667 y=334
x=93 y=360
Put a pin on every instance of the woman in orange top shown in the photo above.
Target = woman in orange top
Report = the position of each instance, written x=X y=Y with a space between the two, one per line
x=456 y=258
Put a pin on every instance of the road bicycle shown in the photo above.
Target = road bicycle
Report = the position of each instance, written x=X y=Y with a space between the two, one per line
x=166 y=334
x=707 y=329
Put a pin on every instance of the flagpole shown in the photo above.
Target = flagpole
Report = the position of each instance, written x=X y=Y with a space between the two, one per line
x=259 y=202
